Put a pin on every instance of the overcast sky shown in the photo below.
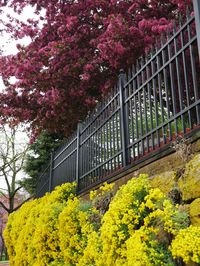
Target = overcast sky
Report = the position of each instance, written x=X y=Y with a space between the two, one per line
x=7 y=44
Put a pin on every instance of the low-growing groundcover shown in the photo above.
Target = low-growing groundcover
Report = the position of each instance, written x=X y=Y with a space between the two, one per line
x=141 y=227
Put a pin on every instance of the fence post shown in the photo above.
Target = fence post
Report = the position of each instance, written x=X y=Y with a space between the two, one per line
x=196 y=5
x=51 y=171
x=78 y=154
x=123 y=118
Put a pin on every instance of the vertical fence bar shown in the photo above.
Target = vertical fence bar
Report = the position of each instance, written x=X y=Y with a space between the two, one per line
x=123 y=118
x=186 y=79
x=78 y=154
x=192 y=58
x=51 y=171
x=196 y=4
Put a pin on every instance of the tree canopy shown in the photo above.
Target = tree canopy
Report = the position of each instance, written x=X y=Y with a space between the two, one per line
x=77 y=49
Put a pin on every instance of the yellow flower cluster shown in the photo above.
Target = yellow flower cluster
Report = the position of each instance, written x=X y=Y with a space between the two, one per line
x=61 y=229
x=163 y=212
x=145 y=250
x=123 y=217
x=18 y=254
x=186 y=245
x=74 y=229
x=138 y=226
x=31 y=234
x=103 y=190
x=136 y=250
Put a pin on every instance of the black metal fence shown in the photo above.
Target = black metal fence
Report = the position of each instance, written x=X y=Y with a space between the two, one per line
x=156 y=101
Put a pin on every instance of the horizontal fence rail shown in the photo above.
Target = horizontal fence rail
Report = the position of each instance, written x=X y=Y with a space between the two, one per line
x=157 y=101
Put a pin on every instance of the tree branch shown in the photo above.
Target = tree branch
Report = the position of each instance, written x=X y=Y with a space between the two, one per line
x=14 y=193
x=16 y=208
x=4 y=206
x=3 y=194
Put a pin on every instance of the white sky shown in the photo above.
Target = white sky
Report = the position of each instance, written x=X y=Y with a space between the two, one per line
x=7 y=44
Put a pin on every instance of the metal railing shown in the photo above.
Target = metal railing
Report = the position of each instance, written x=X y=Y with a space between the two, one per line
x=158 y=100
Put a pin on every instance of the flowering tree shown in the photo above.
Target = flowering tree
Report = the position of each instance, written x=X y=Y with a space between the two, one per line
x=77 y=48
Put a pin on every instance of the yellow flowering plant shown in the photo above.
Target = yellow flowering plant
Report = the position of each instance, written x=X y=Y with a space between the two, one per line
x=122 y=218
x=32 y=232
x=144 y=249
x=16 y=236
x=137 y=226
x=77 y=232
x=138 y=210
x=71 y=235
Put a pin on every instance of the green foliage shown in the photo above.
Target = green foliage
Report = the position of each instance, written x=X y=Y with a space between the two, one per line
x=40 y=152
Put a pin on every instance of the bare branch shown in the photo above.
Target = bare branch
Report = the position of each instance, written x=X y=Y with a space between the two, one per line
x=3 y=194
x=7 y=182
x=16 y=208
x=4 y=207
x=16 y=190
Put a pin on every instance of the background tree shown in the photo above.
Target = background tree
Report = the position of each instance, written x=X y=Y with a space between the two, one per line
x=77 y=48
x=13 y=149
x=12 y=156
x=37 y=156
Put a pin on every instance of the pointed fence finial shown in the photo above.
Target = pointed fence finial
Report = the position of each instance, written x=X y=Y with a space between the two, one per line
x=121 y=71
